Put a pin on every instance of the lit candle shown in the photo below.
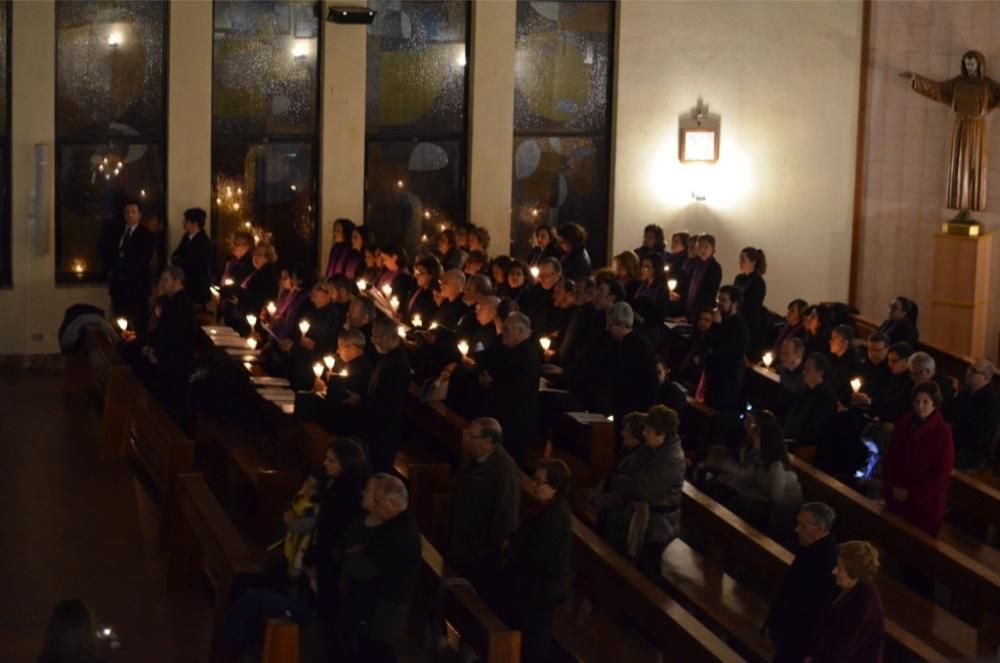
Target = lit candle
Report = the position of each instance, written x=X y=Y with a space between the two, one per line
x=215 y=290
x=318 y=369
x=252 y=343
x=394 y=303
x=399 y=184
x=247 y=366
x=534 y=272
x=546 y=342
x=856 y=385
x=329 y=360
x=343 y=373
x=768 y=358
x=463 y=347
x=122 y=323
x=672 y=283
x=401 y=330
x=418 y=321
x=666 y=268
x=433 y=326
x=228 y=282
x=362 y=285
x=387 y=290
x=251 y=320
x=304 y=327
x=272 y=308
x=611 y=418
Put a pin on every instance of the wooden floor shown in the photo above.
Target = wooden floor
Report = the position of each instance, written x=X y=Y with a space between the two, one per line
x=71 y=526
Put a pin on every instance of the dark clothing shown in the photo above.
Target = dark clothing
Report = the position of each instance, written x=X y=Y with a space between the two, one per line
x=237 y=269
x=616 y=377
x=786 y=332
x=900 y=331
x=843 y=369
x=670 y=394
x=874 y=377
x=419 y=302
x=129 y=283
x=450 y=313
x=344 y=260
x=382 y=578
x=537 y=253
x=454 y=259
x=854 y=628
x=384 y=407
x=704 y=278
x=810 y=414
x=651 y=303
x=580 y=333
x=512 y=396
x=725 y=364
x=339 y=417
x=195 y=256
x=576 y=264
x=536 y=303
x=325 y=325
x=974 y=418
x=818 y=342
x=919 y=460
x=892 y=400
x=172 y=338
x=791 y=386
x=483 y=513
x=258 y=289
x=752 y=307
x=804 y=597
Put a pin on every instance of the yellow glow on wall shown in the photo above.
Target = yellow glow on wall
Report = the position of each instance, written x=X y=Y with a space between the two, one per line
x=723 y=185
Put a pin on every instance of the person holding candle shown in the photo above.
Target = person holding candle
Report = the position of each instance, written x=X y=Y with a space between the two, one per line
x=344 y=388
x=651 y=299
x=296 y=284
x=750 y=279
x=395 y=271
x=725 y=362
x=875 y=371
x=320 y=338
x=420 y=302
x=537 y=303
x=844 y=363
x=812 y=410
x=128 y=280
x=475 y=289
x=253 y=293
x=343 y=258
x=386 y=397
x=451 y=307
x=195 y=255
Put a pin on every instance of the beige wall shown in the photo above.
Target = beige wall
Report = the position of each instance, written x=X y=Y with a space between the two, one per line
x=907 y=146
x=784 y=77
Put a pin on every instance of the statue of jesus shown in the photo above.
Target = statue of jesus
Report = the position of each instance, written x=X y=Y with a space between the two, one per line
x=972 y=96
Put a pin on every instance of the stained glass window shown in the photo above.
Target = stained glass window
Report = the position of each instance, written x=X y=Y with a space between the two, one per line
x=562 y=120
x=415 y=118
x=265 y=124
x=110 y=128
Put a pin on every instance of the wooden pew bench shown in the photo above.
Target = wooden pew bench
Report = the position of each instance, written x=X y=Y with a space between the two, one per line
x=103 y=359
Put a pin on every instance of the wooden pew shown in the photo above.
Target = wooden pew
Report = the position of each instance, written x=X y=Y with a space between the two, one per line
x=974 y=506
x=103 y=359
x=473 y=620
x=975 y=588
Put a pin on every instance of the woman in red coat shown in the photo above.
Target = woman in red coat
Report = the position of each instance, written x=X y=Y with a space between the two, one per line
x=918 y=465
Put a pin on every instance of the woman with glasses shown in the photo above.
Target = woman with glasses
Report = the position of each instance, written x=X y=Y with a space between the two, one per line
x=901 y=324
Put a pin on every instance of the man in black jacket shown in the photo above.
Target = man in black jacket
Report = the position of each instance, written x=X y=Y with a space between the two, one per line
x=536 y=302
x=814 y=408
x=725 y=363
x=808 y=589
x=483 y=510
x=974 y=415
x=195 y=255
x=386 y=398
x=129 y=277
x=844 y=363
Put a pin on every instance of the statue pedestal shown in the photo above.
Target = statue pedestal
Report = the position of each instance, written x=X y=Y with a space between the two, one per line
x=960 y=293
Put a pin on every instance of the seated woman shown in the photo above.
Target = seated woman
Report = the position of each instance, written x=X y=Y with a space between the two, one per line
x=296 y=283
x=794 y=326
x=255 y=291
x=343 y=258
x=448 y=252
x=652 y=242
x=627 y=272
x=573 y=243
x=543 y=246
x=901 y=325
x=648 y=480
x=519 y=280
x=753 y=266
x=917 y=467
x=854 y=628
x=650 y=299
x=764 y=490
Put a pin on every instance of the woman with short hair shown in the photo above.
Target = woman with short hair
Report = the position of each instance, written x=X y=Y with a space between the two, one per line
x=853 y=630
x=575 y=259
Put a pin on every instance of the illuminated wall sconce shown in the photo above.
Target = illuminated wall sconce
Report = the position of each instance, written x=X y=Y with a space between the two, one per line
x=299 y=51
x=115 y=39
x=699 y=136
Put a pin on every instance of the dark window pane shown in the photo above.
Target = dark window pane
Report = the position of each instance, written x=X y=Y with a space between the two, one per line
x=110 y=64
x=412 y=189
x=5 y=264
x=560 y=180
x=264 y=78
x=416 y=68
x=561 y=66
x=270 y=190
x=4 y=73
x=90 y=201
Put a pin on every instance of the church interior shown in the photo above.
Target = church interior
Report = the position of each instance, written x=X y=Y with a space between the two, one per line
x=499 y=330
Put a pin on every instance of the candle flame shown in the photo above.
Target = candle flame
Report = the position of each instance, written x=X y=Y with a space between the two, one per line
x=318 y=369
x=545 y=342
x=329 y=361
x=768 y=358
x=304 y=327
x=122 y=323
x=463 y=347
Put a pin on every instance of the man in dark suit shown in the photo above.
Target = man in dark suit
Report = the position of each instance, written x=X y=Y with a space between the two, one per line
x=537 y=302
x=386 y=398
x=975 y=416
x=348 y=386
x=195 y=255
x=725 y=363
x=844 y=362
x=814 y=407
x=704 y=276
x=483 y=510
x=808 y=589
x=129 y=277
x=509 y=377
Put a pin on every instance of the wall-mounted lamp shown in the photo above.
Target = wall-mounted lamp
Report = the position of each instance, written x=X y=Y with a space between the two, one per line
x=115 y=39
x=299 y=51
x=699 y=136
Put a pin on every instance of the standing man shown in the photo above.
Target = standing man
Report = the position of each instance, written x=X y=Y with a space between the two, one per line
x=195 y=255
x=129 y=277
x=808 y=589
x=386 y=397
x=728 y=341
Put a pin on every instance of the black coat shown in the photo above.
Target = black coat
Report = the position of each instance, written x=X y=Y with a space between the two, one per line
x=854 y=629
x=580 y=333
x=536 y=303
x=340 y=505
x=130 y=264
x=260 y=289
x=539 y=556
x=195 y=255
x=752 y=308
x=702 y=294
x=843 y=369
x=422 y=305
x=803 y=599
x=576 y=264
x=384 y=407
x=974 y=419
x=810 y=414
x=172 y=338
x=512 y=396
x=325 y=325
x=725 y=363
x=348 y=419
x=616 y=377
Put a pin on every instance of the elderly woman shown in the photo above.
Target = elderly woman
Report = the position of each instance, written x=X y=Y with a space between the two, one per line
x=917 y=467
x=639 y=510
x=853 y=629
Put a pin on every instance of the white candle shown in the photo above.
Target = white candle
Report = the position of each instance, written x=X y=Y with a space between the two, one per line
x=272 y=308
x=611 y=418
x=856 y=385
x=666 y=268
x=318 y=369
x=247 y=366
x=215 y=291
x=463 y=347
x=252 y=343
x=387 y=290
x=417 y=321
x=329 y=360
x=362 y=285
x=122 y=323
x=228 y=282
x=251 y=320
x=672 y=283
x=304 y=326
x=394 y=303
x=545 y=342
x=343 y=373
x=401 y=330
x=433 y=326
x=534 y=272
x=768 y=358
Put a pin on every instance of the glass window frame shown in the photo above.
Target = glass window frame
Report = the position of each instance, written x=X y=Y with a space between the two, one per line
x=597 y=259
x=249 y=139
x=67 y=277
x=6 y=206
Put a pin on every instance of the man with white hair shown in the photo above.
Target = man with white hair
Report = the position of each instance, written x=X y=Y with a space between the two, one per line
x=923 y=369
x=975 y=416
x=380 y=562
x=451 y=308
x=386 y=398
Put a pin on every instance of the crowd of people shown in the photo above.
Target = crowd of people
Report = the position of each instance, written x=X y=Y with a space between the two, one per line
x=511 y=344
